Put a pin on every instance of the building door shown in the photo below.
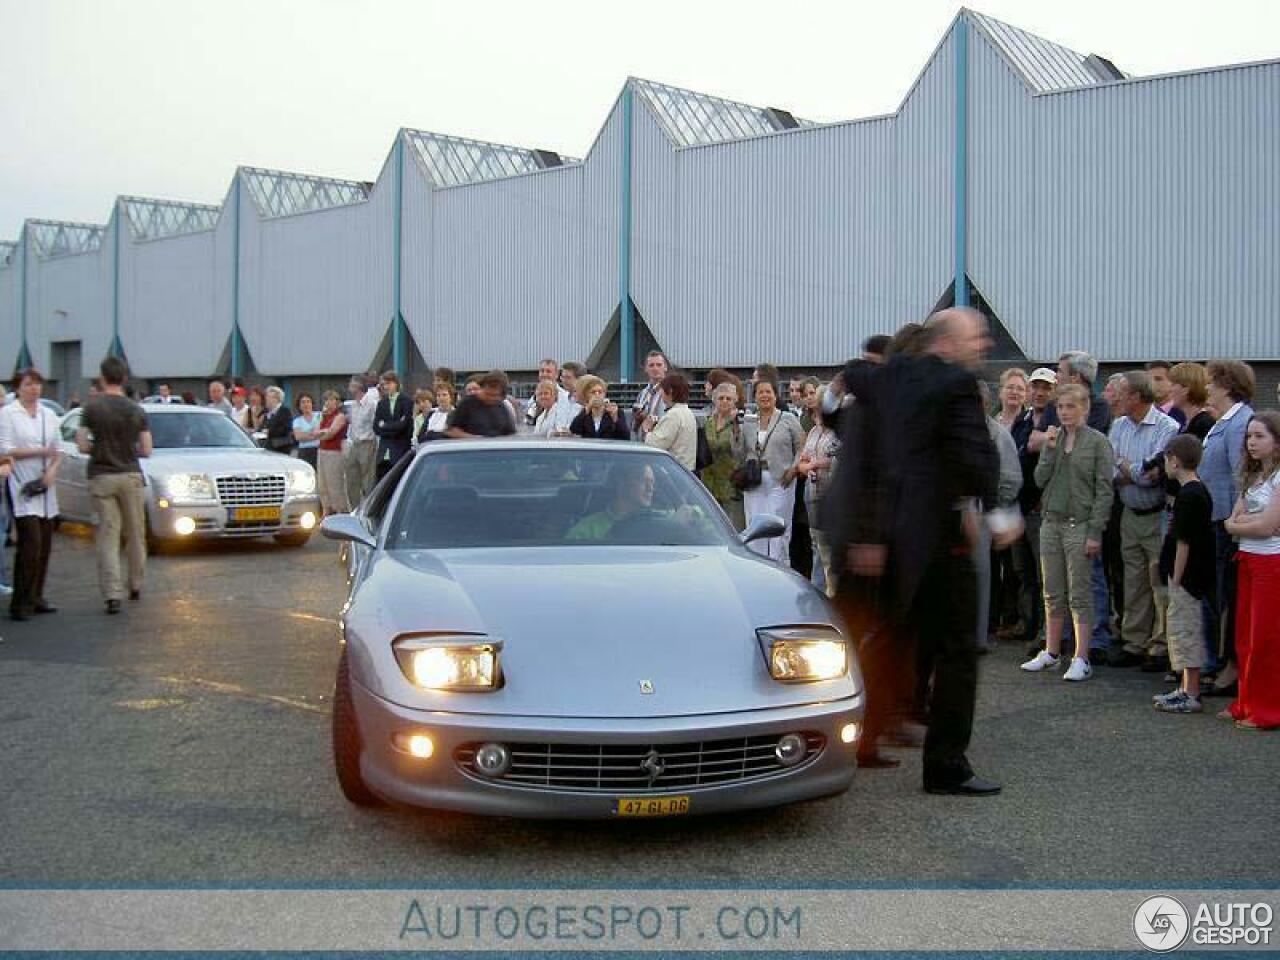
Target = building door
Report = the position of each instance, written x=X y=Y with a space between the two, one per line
x=66 y=372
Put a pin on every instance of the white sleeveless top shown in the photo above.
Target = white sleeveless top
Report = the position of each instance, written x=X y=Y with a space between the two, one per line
x=1256 y=499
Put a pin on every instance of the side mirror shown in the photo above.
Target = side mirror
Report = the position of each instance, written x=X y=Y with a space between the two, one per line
x=347 y=528
x=763 y=526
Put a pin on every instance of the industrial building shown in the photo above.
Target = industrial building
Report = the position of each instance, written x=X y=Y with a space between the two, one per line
x=1081 y=207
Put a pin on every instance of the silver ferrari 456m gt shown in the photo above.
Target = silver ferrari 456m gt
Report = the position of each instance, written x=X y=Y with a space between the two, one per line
x=574 y=629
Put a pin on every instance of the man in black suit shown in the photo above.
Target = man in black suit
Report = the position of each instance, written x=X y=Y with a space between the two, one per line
x=392 y=423
x=921 y=452
x=279 y=422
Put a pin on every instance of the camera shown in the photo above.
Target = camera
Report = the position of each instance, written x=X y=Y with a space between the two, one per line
x=34 y=488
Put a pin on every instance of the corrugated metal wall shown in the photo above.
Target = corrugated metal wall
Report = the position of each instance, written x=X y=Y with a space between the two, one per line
x=1136 y=220
x=169 y=321
x=313 y=287
x=795 y=247
x=601 y=219
x=506 y=272
x=69 y=299
x=657 y=248
x=418 y=246
x=10 y=311
x=924 y=189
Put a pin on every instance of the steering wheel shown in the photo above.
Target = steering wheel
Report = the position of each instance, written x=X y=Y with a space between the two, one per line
x=649 y=526
x=642 y=524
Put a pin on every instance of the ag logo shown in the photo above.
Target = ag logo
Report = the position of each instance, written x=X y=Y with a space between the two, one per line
x=1161 y=924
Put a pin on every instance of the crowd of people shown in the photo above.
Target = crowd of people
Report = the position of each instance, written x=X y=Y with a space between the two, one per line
x=1131 y=524
x=1125 y=555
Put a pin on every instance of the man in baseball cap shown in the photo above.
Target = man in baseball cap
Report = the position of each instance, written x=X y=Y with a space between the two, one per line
x=1030 y=436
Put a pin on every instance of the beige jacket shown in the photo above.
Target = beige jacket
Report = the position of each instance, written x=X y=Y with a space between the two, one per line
x=677 y=433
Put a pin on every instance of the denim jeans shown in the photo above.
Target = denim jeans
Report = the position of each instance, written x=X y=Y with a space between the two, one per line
x=1101 y=607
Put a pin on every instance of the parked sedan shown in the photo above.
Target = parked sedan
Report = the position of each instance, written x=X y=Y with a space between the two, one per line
x=206 y=479
x=574 y=629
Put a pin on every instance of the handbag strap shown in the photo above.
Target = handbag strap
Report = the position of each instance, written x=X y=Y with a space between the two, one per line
x=762 y=439
x=44 y=442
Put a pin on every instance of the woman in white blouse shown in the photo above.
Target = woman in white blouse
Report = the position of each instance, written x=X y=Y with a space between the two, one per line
x=439 y=420
x=817 y=463
x=554 y=414
x=776 y=441
x=29 y=436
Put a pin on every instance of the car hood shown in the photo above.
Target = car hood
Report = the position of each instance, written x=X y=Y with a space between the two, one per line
x=215 y=460
x=583 y=627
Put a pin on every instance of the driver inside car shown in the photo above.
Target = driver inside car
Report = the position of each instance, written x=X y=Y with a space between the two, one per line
x=632 y=491
x=633 y=485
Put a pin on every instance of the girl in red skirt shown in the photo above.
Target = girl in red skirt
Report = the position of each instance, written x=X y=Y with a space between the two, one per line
x=1255 y=522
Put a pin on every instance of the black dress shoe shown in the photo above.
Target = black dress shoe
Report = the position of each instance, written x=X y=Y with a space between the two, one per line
x=877 y=761
x=975 y=786
x=113 y=606
x=19 y=615
x=1099 y=658
x=1123 y=658
x=44 y=606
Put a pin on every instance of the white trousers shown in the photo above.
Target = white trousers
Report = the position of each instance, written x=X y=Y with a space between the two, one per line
x=772 y=497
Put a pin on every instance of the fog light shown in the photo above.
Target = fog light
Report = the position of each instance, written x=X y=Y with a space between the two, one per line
x=790 y=749
x=184 y=526
x=849 y=733
x=308 y=520
x=493 y=760
x=162 y=503
x=417 y=745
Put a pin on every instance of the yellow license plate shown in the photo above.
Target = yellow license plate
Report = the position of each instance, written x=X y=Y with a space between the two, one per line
x=651 y=806
x=240 y=514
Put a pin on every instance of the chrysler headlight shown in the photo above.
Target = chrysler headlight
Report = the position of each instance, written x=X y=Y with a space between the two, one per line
x=449 y=663
x=302 y=482
x=805 y=654
x=190 y=486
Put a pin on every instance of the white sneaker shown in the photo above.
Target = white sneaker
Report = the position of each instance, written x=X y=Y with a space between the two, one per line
x=1044 y=660
x=1079 y=670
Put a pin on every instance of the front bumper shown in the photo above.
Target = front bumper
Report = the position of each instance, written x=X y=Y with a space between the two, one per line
x=438 y=782
x=213 y=520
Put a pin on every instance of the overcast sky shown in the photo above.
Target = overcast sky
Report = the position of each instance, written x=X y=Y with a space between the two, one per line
x=165 y=97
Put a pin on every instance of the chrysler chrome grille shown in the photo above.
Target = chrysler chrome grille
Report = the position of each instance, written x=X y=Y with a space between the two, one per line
x=249 y=490
x=615 y=768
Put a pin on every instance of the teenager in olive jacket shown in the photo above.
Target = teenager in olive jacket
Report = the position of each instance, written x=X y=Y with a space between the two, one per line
x=1074 y=473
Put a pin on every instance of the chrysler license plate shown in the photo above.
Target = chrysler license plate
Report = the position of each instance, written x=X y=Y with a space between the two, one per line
x=243 y=514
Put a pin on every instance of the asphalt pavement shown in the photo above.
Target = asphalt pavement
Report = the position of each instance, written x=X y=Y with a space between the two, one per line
x=186 y=741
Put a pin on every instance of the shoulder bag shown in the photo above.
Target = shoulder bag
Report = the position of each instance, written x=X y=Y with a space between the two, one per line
x=703 y=459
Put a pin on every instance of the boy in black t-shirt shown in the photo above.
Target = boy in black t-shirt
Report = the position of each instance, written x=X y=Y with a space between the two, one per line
x=1187 y=564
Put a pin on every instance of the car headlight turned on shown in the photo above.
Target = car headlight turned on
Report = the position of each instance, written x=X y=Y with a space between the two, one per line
x=302 y=482
x=805 y=654
x=189 y=486
x=462 y=663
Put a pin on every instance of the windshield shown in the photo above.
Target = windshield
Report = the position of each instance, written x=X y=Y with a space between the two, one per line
x=184 y=430
x=539 y=498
